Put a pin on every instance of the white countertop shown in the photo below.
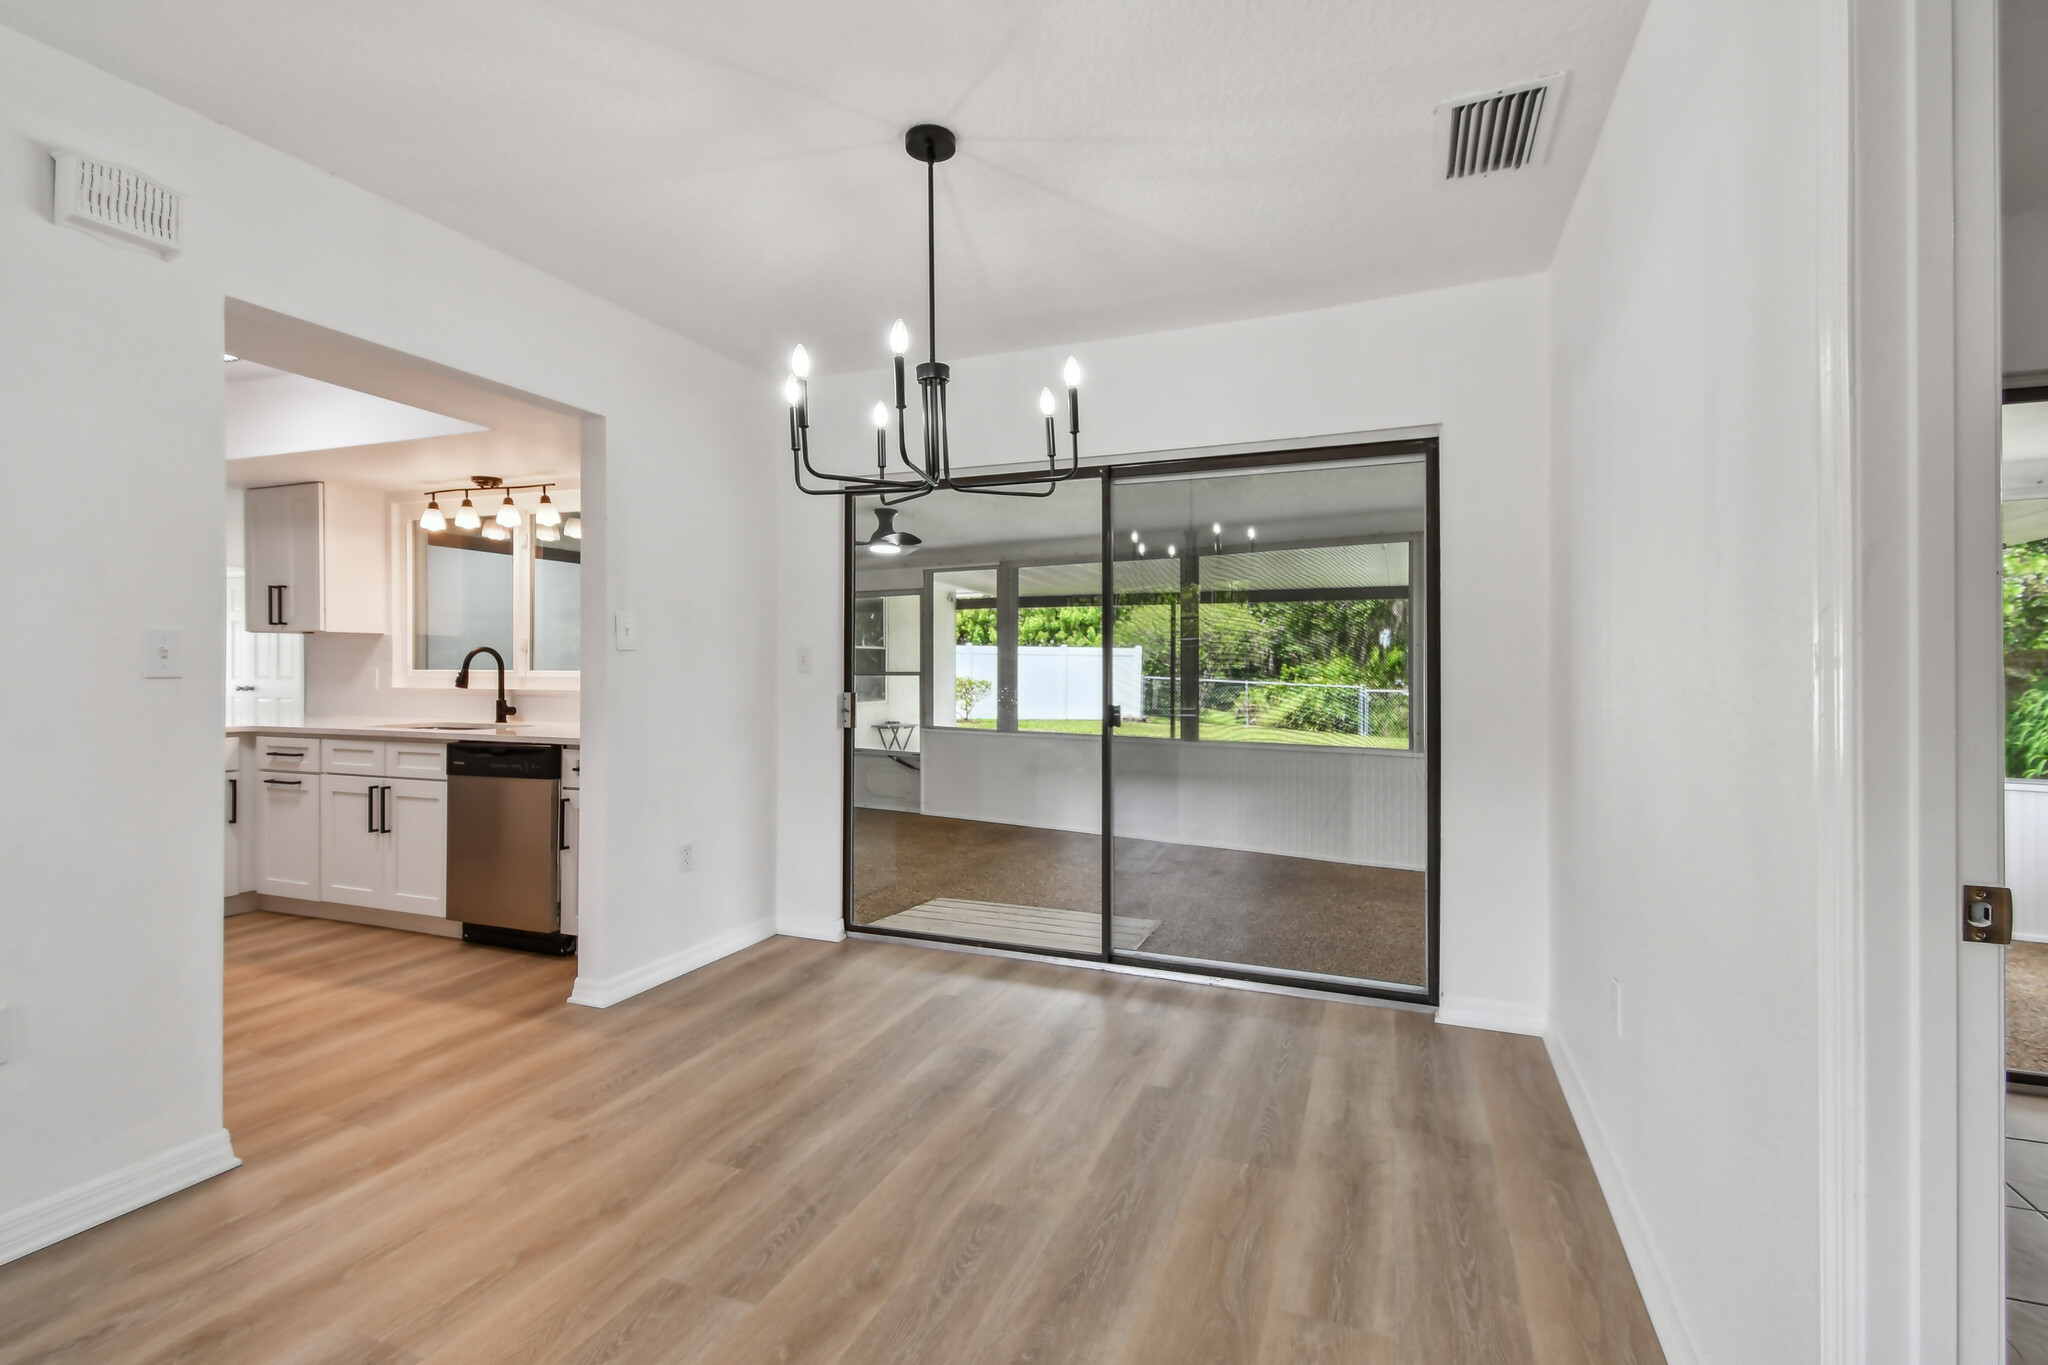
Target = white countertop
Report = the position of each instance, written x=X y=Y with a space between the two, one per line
x=371 y=727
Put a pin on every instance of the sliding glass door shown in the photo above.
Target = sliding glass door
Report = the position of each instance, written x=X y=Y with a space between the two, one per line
x=1261 y=802
x=1272 y=808
x=977 y=721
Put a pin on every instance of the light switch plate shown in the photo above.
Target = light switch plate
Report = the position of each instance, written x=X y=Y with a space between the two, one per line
x=625 y=630
x=163 y=656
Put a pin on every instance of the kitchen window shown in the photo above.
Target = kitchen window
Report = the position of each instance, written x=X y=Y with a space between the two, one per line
x=520 y=595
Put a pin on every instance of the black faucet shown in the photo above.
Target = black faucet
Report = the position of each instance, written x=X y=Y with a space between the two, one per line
x=505 y=708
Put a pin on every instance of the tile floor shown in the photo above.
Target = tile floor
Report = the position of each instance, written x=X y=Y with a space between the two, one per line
x=2026 y=1228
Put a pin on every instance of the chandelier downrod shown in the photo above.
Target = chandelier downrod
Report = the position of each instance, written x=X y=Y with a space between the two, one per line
x=931 y=144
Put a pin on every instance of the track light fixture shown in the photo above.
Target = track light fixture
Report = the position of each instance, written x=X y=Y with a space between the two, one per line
x=932 y=468
x=547 y=517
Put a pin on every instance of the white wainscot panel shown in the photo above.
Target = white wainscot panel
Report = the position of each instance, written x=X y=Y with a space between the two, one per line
x=2026 y=858
x=1339 y=805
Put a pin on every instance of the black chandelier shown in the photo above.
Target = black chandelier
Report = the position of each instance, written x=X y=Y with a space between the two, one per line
x=933 y=469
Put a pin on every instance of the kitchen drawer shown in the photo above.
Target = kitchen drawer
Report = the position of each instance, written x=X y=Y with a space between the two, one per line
x=352 y=757
x=572 y=772
x=283 y=754
x=415 y=758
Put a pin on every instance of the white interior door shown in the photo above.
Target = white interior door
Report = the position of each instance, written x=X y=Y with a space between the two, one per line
x=266 y=670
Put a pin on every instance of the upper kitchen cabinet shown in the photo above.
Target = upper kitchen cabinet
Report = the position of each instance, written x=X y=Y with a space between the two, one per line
x=315 y=559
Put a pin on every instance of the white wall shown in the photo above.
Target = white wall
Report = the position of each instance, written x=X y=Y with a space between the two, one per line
x=1686 y=297
x=112 y=400
x=1472 y=360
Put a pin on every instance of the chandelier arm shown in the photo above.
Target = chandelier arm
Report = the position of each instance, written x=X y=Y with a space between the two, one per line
x=903 y=447
x=854 y=484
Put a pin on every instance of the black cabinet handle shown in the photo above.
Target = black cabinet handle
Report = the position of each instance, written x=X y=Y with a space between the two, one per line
x=370 y=808
x=565 y=824
x=281 y=782
x=234 y=802
x=384 y=807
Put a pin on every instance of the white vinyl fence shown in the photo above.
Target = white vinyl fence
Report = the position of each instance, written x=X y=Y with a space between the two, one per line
x=1055 y=682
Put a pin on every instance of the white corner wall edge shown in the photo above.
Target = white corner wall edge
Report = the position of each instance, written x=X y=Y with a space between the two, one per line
x=1501 y=1016
x=52 y=1219
x=1675 y=1332
x=604 y=992
x=831 y=930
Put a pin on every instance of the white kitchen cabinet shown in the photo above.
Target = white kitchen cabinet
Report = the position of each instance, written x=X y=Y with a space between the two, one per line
x=415 y=758
x=384 y=843
x=416 y=845
x=572 y=769
x=314 y=557
x=231 y=868
x=351 y=844
x=362 y=757
x=283 y=754
x=569 y=842
x=287 y=833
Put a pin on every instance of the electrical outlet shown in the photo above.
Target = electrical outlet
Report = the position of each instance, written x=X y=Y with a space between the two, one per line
x=803 y=658
x=1614 y=996
x=689 y=857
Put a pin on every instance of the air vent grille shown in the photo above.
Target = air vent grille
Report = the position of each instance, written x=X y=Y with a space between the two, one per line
x=1502 y=130
x=117 y=202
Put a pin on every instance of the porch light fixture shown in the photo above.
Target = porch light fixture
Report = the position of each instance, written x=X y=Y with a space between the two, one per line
x=887 y=540
x=932 y=468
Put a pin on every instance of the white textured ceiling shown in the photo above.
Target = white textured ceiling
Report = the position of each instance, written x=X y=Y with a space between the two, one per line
x=735 y=171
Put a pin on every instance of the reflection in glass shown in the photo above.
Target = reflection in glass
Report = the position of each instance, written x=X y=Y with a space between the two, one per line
x=558 y=606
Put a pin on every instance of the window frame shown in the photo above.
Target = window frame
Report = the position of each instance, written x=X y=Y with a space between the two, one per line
x=405 y=569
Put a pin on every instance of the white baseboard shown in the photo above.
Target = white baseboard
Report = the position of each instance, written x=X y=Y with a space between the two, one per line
x=1675 y=1331
x=831 y=930
x=1501 y=1016
x=2029 y=938
x=604 y=992
x=37 y=1225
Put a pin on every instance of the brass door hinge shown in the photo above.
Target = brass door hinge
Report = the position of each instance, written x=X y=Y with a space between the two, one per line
x=1987 y=914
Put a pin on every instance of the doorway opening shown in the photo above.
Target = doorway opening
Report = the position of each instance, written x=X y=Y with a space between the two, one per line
x=1177 y=714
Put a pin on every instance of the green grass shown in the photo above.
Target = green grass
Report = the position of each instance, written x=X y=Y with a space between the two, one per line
x=1216 y=725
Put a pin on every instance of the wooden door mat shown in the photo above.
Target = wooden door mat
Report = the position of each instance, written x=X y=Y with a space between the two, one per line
x=1021 y=926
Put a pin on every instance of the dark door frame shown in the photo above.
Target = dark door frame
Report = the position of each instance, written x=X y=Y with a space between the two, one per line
x=1359 y=452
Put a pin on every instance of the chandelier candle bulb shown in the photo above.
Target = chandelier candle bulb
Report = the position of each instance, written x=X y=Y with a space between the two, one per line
x=1072 y=374
x=800 y=363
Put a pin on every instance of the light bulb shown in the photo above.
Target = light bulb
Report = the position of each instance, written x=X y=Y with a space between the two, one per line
x=547 y=531
x=508 y=515
x=1215 y=528
x=1170 y=552
x=1141 y=547
x=800 y=363
x=496 y=532
x=792 y=392
x=466 y=516
x=573 y=528
x=433 y=519
x=899 y=337
x=1073 y=373
x=881 y=416
x=547 y=514
x=1045 y=401
x=886 y=549
x=1251 y=533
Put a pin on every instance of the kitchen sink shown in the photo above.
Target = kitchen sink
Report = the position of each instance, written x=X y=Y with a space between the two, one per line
x=453 y=725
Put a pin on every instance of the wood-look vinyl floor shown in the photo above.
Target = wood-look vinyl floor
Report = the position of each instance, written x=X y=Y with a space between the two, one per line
x=855 y=1152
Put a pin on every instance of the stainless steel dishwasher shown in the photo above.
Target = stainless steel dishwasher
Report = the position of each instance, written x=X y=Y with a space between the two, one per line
x=504 y=814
